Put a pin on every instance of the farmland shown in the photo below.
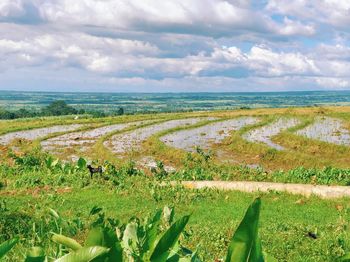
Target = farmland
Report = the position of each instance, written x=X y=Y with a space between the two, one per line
x=145 y=157
x=172 y=102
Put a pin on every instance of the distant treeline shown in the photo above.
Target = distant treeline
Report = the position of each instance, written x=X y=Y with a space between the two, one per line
x=56 y=108
x=60 y=108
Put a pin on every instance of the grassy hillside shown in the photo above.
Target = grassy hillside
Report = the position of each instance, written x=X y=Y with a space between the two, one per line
x=33 y=181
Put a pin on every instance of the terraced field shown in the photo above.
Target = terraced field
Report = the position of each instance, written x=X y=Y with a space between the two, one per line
x=210 y=164
x=206 y=135
x=37 y=133
x=265 y=133
x=84 y=140
x=221 y=133
x=327 y=129
x=130 y=141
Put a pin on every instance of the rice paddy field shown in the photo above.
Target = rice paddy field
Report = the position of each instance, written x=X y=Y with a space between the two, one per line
x=210 y=164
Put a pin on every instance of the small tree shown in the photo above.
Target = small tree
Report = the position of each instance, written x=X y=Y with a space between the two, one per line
x=58 y=108
x=120 y=111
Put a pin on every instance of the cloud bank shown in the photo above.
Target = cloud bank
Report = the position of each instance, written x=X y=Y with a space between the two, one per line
x=182 y=45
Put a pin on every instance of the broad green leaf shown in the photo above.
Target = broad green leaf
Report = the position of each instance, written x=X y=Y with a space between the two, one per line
x=345 y=258
x=104 y=237
x=152 y=232
x=48 y=161
x=256 y=253
x=130 y=237
x=95 y=210
x=81 y=163
x=66 y=241
x=35 y=254
x=84 y=254
x=245 y=244
x=95 y=237
x=112 y=242
x=169 y=239
x=195 y=257
x=173 y=255
x=182 y=254
x=7 y=246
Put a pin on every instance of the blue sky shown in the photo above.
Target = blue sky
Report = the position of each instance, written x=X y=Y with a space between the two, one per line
x=183 y=45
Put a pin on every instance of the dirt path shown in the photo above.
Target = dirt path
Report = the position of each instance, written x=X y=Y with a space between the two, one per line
x=297 y=189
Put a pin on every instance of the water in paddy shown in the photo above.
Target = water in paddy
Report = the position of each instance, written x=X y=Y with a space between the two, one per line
x=132 y=140
x=264 y=134
x=85 y=139
x=207 y=135
x=37 y=133
x=327 y=129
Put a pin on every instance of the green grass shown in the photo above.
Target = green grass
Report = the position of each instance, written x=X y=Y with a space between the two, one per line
x=30 y=189
x=285 y=219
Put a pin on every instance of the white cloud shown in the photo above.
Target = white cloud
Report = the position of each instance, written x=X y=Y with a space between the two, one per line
x=333 y=12
x=74 y=49
x=11 y=8
x=332 y=82
x=202 y=17
x=296 y=28
x=270 y=63
x=225 y=44
x=140 y=59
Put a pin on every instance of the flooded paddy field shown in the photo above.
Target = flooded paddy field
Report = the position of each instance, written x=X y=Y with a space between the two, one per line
x=327 y=129
x=237 y=137
x=265 y=133
x=207 y=135
x=85 y=139
x=130 y=141
x=37 y=133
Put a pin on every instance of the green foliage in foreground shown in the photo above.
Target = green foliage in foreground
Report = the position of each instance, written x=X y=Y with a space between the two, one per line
x=7 y=246
x=36 y=169
x=199 y=166
x=284 y=224
x=129 y=191
x=155 y=239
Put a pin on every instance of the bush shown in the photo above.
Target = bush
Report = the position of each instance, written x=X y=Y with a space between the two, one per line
x=59 y=108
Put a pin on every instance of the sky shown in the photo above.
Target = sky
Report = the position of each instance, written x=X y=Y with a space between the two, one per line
x=174 y=45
